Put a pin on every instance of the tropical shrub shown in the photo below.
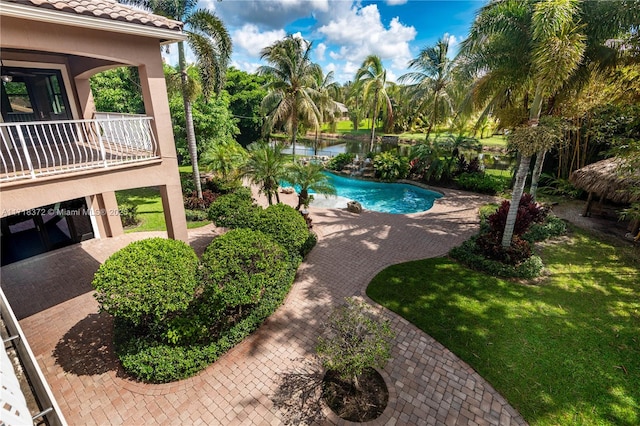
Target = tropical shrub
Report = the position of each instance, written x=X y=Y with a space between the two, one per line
x=286 y=226
x=479 y=182
x=234 y=210
x=128 y=214
x=192 y=202
x=239 y=266
x=470 y=255
x=354 y=339
x=552 y=226
x=389 y=166
x=195 y=215
x=528 y=212
x=340 y=161
x=147 y=281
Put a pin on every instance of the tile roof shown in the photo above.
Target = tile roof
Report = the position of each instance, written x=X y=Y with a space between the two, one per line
x=104 y=9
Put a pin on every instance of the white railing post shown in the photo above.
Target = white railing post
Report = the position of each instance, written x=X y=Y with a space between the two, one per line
x=25 y=151
x=103 y=151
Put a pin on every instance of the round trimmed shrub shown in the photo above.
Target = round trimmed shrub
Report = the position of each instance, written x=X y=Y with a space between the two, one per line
x=286 y=226
x=240 y=265
x=146 y=281
x=234 y=210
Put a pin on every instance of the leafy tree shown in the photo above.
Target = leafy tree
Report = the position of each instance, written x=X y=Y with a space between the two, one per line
x=308 y=177
x=371 y=79
x=265 y=167
x=209 y=40
x=212 y=120
x=246 y=94
x=291 y=94
x=431 y=79
x=117 y=90
x=354 y=339
x=389 y=166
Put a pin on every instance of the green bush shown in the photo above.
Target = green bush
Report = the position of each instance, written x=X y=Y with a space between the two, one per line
x=389 y=166
x=128 y=214
x=195 y=215
x=147 y=281
x=240 y=265
x=340 y=161
x=552 y=226
x=157 y=361
x=480 y=182
x=234 y=211
x=286 y=226
x=469 y=254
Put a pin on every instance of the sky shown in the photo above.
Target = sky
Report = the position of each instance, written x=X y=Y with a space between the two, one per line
x=343 y=32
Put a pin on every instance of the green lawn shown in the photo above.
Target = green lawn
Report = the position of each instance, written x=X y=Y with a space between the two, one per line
x=565 y=351
x=150 y=210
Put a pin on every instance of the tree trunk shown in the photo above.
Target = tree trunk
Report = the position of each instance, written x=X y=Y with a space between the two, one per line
x=315 y=145
x=521 y=175
x=373 y=120
x=518 y=189
x=188 y=117
x=537 y=171
x=294 y=137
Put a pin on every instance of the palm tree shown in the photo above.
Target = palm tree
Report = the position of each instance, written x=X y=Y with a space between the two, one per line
x=326 y=91
x=309 y=177
x=266 y=167
x=225 y=158
x=291 y=80
x=432 y=77
x=371 y=80
x=209 y=40
x=544 y=37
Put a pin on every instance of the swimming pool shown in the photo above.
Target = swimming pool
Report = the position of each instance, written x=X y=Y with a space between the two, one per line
x=396 y=198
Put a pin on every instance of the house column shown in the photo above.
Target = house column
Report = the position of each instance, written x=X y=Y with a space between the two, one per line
x=85 y=98
x=156 y=104
x=105 y=209
x=174 y=216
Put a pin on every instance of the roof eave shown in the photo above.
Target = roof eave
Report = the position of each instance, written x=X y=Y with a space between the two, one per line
x=165 y=35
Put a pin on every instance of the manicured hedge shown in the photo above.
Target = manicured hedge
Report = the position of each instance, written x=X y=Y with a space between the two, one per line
x=239 y=266
x=286 y=226
x=245 y=276
x=234 y=210
x=147 y=281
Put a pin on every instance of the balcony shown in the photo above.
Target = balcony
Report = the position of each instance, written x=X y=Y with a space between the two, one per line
x=33 y=149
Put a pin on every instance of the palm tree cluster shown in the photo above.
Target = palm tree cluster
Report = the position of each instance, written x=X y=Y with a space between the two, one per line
x=523 y=63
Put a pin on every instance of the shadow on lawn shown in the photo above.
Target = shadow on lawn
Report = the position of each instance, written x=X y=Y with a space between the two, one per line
x=566 y=349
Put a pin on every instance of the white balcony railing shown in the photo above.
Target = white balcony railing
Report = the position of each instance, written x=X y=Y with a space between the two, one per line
x=32 y=149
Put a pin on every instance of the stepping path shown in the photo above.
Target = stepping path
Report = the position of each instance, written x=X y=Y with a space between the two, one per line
x=52 y=296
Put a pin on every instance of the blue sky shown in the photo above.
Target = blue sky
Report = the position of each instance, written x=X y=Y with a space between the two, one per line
x=344 y=32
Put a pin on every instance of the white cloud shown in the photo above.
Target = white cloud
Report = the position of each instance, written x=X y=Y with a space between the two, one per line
x=320 y=50
x=273 y=14
x=251 y=40
x=391 y=76
x=247 y=66
x=361 y=33
x=396 y=2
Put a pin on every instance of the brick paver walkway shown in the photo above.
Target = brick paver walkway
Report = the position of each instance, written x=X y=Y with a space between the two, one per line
x=429 y=385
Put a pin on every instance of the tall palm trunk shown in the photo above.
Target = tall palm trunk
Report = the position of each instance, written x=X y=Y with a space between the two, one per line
x=521 y=175
x=537 y=171
x=188 y=116
x=373 y=120
x=294 y=136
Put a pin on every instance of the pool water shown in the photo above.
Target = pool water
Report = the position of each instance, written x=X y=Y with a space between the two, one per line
x=382 y=197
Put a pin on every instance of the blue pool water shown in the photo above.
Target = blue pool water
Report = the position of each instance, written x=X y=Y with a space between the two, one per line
x=384 y=197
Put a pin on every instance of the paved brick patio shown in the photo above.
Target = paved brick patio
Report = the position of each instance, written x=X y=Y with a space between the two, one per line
x=51 y=294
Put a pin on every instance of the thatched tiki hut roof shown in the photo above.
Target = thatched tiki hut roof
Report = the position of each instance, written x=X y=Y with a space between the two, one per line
x=608 y=180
